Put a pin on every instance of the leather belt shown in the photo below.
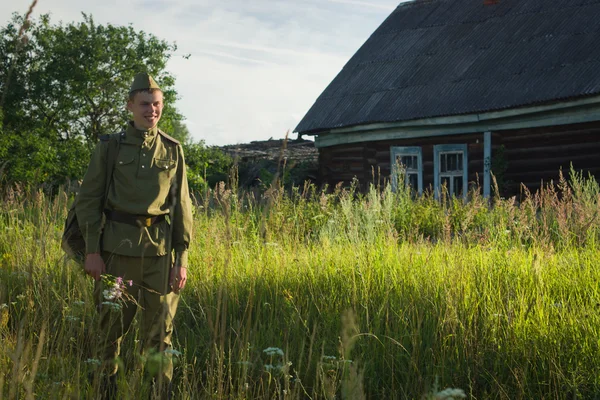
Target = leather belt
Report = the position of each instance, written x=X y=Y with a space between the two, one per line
x=132 y=219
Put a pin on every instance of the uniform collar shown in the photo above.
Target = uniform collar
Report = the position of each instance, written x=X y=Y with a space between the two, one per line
x=136 y=133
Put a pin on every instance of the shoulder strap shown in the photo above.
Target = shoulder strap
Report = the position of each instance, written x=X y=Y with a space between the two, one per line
x=169 y=138
x=111 y=158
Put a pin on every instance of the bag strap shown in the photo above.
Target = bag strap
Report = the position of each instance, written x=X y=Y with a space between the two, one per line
x=111 y=158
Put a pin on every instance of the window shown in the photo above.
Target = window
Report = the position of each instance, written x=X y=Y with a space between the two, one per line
x=408 y=159
x=450 y=169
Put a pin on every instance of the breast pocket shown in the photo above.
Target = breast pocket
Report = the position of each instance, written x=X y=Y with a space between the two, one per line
x=125 y=161
x=164 y=164
x=125 y=169
x=165 y=169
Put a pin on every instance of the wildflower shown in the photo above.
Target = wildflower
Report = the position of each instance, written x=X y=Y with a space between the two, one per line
x=20 y=296
x=173 y=352
x=111 y=294
x=72 y=318
x=329 y=358
x=112 y=306
x=270 y=368
x=78 y=303
x=273 y=351
x=93 y=361
x=450 y=394
x=3 y=306
x=130 y=282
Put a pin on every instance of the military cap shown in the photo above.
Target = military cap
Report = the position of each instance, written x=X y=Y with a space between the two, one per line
x=143 y=81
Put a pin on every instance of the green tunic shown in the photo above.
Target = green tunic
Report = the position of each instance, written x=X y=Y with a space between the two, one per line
x=149 y=179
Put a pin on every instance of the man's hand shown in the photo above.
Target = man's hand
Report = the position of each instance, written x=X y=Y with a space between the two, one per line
x=94 y=265
x=178 y=278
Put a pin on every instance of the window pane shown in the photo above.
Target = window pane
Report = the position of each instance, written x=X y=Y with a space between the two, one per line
x=445 y=181
x=443 y=159
x=452 y=162
x=407 y=162
x=459 y=165
x=413 y=181
x=458 y=186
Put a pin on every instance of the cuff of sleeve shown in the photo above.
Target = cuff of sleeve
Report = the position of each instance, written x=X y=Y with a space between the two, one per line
x=181 y=259
x=92 y=244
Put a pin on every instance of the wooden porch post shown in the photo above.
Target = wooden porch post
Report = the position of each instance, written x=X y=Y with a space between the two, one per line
x=487 y=163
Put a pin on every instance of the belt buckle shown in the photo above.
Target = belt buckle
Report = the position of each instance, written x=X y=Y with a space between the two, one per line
x=147 y=222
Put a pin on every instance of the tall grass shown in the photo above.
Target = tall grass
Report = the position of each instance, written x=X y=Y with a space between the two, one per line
x=329 y=294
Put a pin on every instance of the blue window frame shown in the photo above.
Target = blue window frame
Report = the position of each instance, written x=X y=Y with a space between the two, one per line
x=410 y=160
x=450 y=169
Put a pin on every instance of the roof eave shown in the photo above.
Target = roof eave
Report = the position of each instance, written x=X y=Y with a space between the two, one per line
x=559 y=113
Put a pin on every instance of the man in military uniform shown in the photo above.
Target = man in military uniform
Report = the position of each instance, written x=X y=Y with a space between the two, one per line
x=132 y=234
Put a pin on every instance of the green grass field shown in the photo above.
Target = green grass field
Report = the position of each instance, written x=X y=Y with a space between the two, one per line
x=314 y=295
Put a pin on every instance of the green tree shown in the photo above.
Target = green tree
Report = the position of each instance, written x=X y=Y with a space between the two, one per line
x=206 y=165
x=64 y=85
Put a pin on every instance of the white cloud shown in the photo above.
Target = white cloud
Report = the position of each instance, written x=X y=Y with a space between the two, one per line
x=364 y=3
x=256 y=66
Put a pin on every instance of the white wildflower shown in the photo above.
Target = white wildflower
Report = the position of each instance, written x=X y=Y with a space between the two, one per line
x=273 y=351
x=270 y=368
x=112 y=306
x=93 y=361
x=450 y=394
x=173 y=352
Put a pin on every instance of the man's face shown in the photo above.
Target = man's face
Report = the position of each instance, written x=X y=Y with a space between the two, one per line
x=146 y=109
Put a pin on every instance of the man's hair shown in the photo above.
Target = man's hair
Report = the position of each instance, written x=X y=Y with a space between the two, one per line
x=132 y=94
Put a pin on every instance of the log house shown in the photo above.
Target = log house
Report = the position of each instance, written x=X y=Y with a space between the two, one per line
x=454 y=90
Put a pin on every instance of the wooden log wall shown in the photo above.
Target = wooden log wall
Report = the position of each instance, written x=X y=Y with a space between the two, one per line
x=370 y=162
x=535 y=156
x=529 y=156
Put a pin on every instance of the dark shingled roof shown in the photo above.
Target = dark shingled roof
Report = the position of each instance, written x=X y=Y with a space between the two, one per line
x=450 y=57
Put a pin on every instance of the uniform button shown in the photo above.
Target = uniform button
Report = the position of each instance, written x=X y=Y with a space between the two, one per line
x=143 y=155
x=120 y=162
x=143 y=166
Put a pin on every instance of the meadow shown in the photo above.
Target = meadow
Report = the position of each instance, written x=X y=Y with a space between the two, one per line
x=309 y=294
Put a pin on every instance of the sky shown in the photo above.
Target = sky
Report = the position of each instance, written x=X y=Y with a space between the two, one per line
x=255 y=66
